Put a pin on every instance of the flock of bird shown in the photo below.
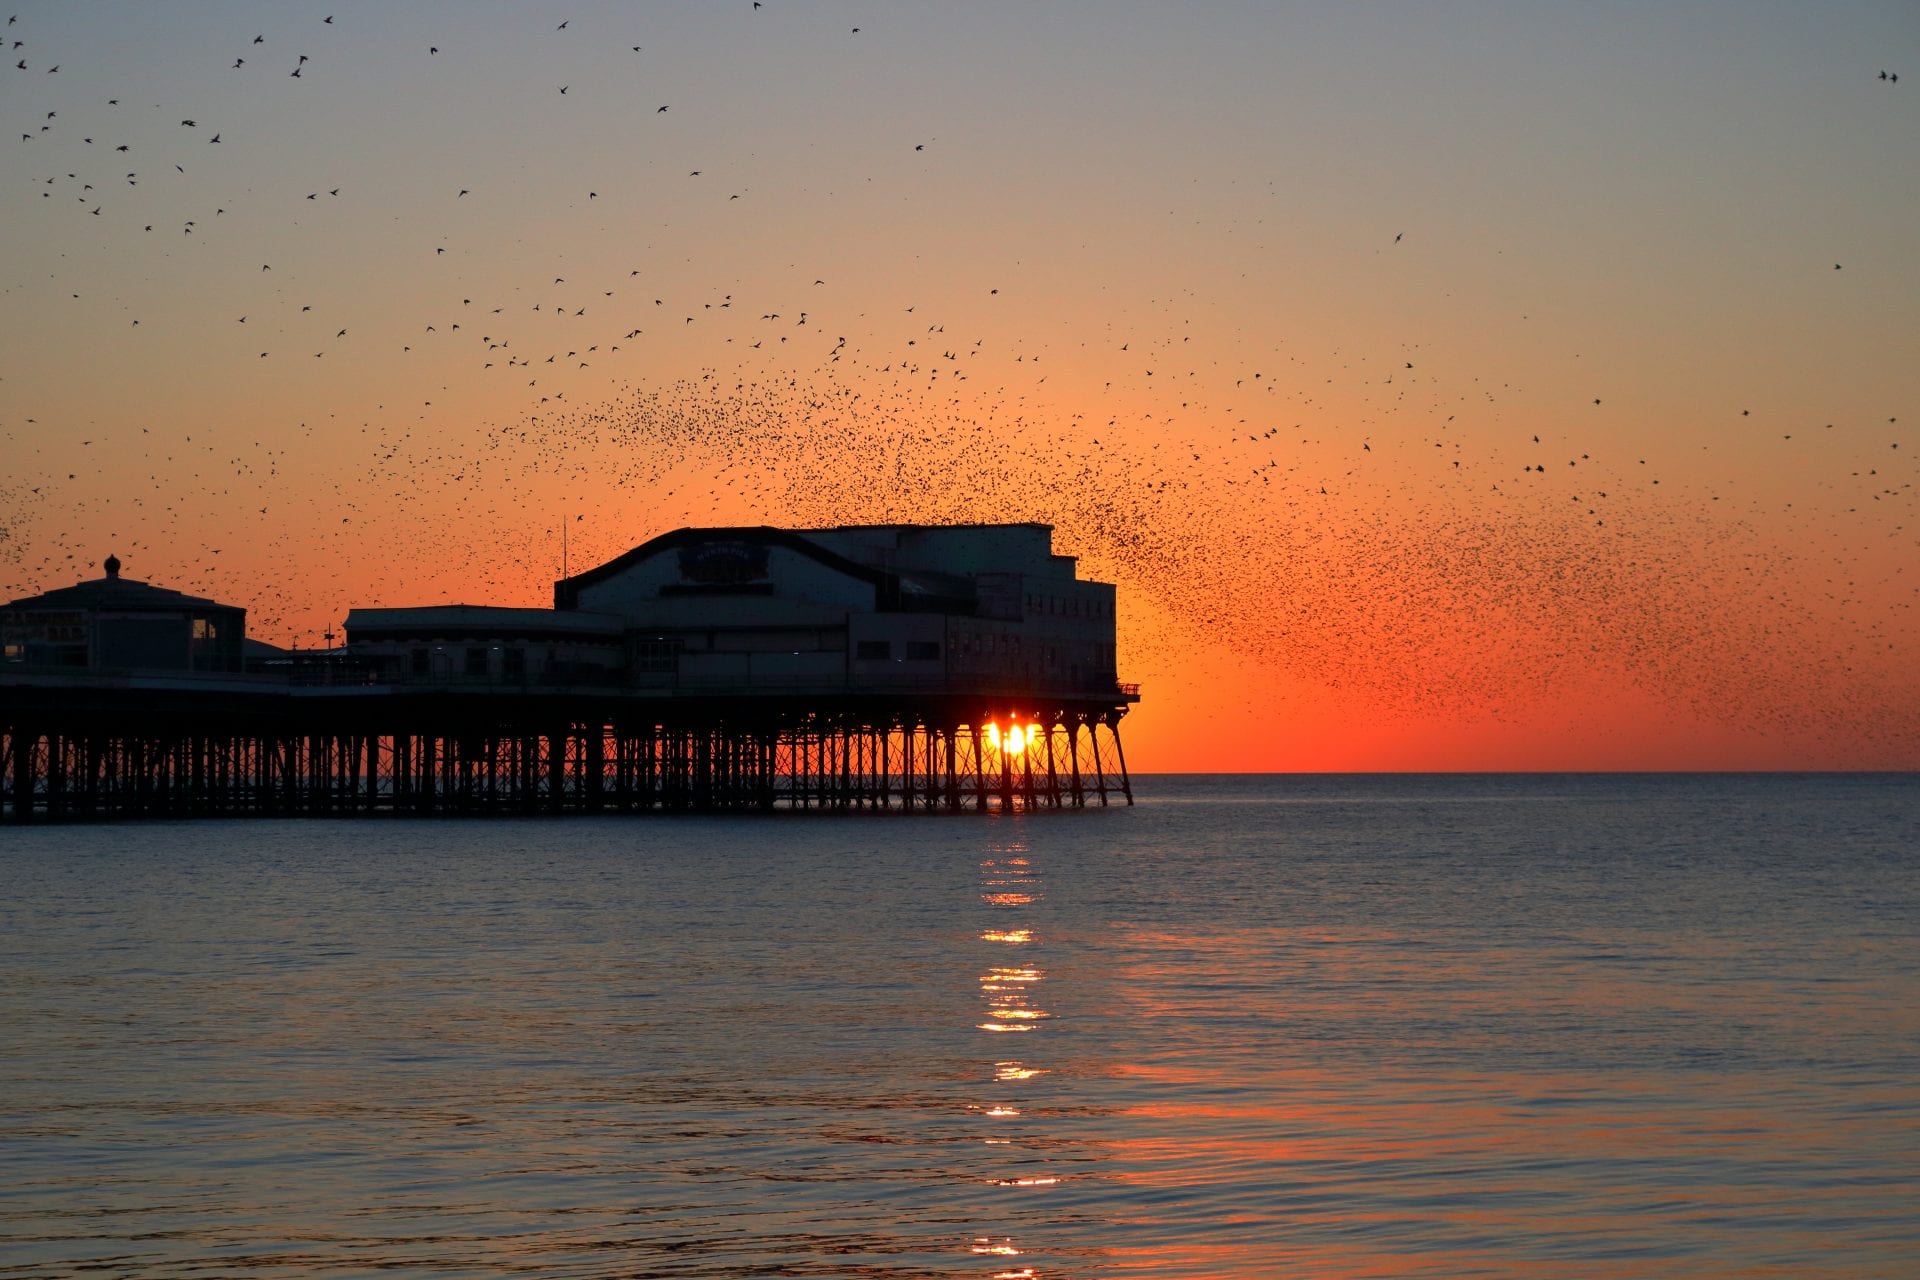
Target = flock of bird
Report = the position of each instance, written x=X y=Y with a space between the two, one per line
x=1432 y=540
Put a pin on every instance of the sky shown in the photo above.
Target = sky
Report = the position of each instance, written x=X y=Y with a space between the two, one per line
x=1445 y=386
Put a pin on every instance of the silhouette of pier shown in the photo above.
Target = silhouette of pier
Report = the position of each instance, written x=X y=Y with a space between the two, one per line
x=707 y=671
x=77 y=750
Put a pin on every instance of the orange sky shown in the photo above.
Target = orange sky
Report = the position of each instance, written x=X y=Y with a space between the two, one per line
x=1479 y=388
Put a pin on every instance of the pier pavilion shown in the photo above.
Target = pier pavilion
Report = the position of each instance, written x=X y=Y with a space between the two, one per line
x=871 y=667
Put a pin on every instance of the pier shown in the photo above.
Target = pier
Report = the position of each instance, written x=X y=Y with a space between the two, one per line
x=72 y=750
x=746 y=676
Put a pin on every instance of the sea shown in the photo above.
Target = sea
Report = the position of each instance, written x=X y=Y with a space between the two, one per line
x=1273 y=1026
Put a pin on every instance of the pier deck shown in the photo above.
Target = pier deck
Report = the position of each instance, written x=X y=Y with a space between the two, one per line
x=101 y=745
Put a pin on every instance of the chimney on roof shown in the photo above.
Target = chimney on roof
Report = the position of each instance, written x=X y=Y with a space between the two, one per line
x=111 y=565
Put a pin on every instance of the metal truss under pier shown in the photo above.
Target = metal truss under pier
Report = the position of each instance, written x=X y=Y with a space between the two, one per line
x=76 y=754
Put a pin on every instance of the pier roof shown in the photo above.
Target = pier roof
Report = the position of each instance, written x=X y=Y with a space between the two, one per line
x=115 y=593
x=471 y=619
x=566 y=592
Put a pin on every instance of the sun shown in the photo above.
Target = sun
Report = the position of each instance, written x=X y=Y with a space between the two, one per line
x=1015 y=740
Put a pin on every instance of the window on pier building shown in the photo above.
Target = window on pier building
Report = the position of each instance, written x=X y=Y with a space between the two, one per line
x=871 y=649
x=514 y=664
x=419 y=664
x=923 y=651
x=476 y=661
x=657 y=655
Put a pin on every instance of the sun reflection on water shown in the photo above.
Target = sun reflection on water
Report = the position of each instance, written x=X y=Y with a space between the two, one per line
x=1008 y=995
x=1010 y=973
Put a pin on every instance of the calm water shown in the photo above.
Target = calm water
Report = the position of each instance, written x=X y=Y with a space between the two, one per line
x=1489 y=1027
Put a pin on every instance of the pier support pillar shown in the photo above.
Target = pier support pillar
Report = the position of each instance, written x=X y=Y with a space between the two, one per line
x=596 y=765
x=25 y=744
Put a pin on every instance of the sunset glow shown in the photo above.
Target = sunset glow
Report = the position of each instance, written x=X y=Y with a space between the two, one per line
x=1541 y=398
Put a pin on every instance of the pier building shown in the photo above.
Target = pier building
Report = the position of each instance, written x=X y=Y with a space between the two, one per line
x=116 y=623
x=883 y=667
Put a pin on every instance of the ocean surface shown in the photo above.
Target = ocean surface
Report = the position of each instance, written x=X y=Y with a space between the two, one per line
x=1592 y=1026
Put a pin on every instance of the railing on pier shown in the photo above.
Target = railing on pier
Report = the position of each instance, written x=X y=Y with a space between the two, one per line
x=359 y=674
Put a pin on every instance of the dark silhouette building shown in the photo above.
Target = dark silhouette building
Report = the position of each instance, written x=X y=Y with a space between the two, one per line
x=867 y=667
x=111 y=623
x=764 y=611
